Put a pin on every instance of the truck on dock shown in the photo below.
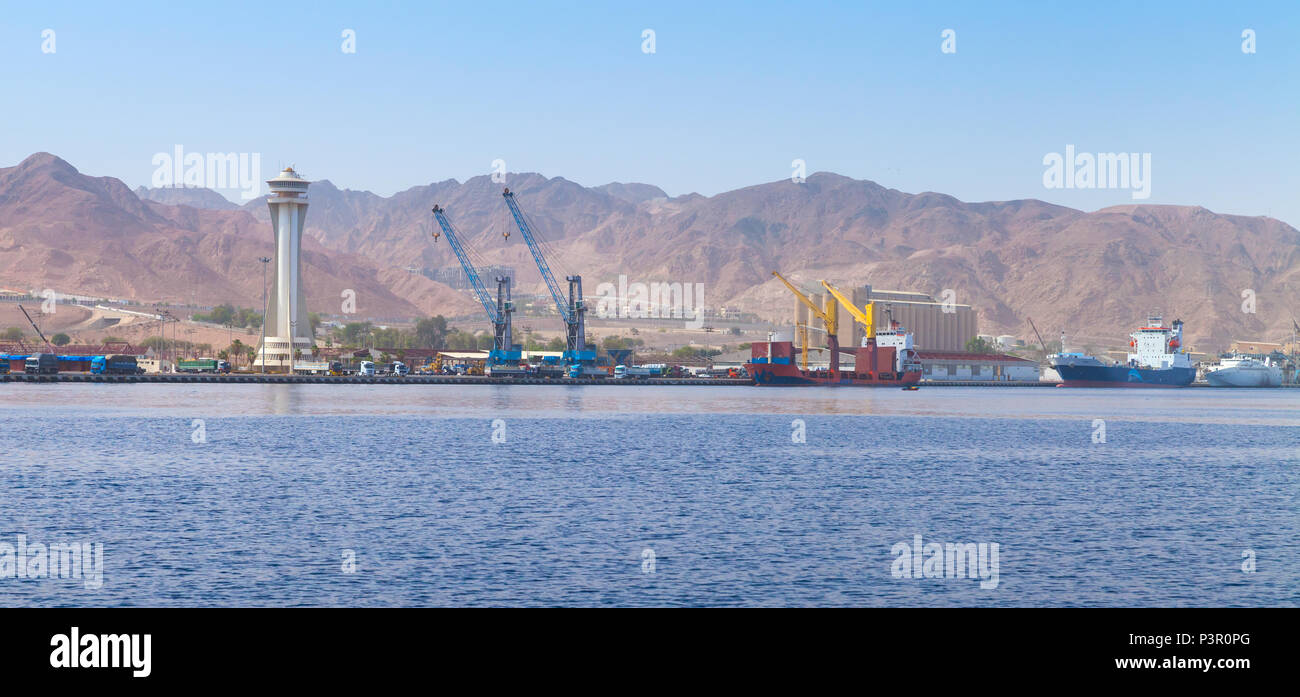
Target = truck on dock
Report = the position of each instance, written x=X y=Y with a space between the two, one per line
x=510 y=371
x=41 y=364
x=641 y=372
x=203 y=365
x=116 y=364
x=309 y=368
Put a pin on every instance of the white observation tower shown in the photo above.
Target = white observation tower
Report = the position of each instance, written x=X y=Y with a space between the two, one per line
x=287 y=325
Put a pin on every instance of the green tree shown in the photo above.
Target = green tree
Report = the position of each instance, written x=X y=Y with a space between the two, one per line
x=13 y=334
x=431 y=332
x=694 y=352
x=354 y=333
x=60 y=339
x=458 y=340
x=979 y=345
x=236 y=350
x=314 y=320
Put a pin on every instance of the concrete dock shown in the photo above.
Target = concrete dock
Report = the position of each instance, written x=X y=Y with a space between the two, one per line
x=193 y=378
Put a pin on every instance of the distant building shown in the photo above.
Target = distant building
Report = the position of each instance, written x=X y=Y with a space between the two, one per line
x=1257 y=348
x=455 y=277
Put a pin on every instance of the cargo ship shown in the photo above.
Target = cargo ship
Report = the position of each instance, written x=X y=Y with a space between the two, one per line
x=1158 y=360
x=886 y=360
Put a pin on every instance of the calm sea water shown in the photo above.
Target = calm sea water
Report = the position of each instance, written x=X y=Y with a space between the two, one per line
x=288 y=482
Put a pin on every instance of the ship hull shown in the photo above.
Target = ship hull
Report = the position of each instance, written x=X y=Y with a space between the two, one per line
x=1244 y=377
x=778 y=375
x=1124 y=376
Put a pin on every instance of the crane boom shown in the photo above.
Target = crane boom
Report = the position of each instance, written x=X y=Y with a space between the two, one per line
x=865 y=318
x=828 y=317
x=498 y=312
x=574 y=310
x=32 y=322
x=527 y=231
x=440 y=214
x=1040 y=337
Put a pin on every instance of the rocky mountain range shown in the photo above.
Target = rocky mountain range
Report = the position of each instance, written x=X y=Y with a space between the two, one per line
x=85 y=235
x=1094 y=274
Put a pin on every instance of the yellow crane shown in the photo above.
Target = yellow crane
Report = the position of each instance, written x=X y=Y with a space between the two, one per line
x=803 y=341
x=829 y=317
x=866 y=318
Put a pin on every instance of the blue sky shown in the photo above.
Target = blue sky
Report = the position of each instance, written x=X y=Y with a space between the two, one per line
x=732 y=94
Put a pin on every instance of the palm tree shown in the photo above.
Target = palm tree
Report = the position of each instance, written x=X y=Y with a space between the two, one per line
x=236 y=349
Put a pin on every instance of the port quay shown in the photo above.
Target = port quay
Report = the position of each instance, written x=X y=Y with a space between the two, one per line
x=272 y=378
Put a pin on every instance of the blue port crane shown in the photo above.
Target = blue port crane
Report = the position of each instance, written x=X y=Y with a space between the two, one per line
x=504 y=352
x=573 y=309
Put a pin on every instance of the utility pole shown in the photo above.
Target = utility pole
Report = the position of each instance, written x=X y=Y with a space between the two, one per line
x=265 y=261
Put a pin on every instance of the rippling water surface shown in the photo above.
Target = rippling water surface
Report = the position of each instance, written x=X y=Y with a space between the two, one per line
x=584 y=480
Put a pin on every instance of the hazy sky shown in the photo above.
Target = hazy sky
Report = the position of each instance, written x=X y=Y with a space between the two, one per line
x=731 y=95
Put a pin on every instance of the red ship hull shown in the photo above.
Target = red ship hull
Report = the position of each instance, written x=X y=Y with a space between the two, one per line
x=777 y=375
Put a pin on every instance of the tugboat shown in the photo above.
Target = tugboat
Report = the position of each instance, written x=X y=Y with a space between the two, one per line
x=1158 y=360
x=1244 y=371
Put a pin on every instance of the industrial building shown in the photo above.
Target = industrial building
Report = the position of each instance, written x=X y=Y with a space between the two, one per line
x=1255 y=348
x=936 y=326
